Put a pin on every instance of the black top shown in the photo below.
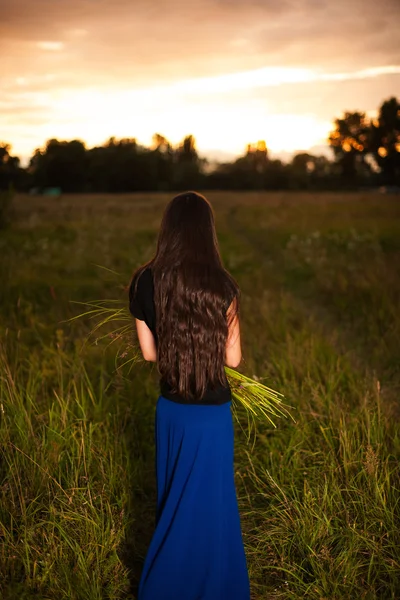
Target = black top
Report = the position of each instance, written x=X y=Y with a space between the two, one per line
x=142 y=307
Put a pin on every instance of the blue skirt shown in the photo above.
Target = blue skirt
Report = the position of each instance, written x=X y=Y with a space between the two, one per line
x=196 y=552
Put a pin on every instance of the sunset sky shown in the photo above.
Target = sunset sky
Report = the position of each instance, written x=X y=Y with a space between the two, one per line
x=227 y=71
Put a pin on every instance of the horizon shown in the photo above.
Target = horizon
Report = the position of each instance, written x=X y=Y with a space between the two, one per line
x=218 y=156
x=230 y=74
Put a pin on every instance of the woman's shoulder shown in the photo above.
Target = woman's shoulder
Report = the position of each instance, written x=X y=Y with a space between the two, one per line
x=232 y=291
x=141 y=293
x=143 y=277
x=147 y=275
x=142 y=285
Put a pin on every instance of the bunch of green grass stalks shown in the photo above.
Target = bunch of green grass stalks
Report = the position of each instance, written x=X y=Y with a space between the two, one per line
x=113 y=323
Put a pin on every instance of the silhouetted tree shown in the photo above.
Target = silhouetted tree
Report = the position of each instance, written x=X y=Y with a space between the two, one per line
x=61 y=164
x=301 y=168
x=187 y=165
x=252 y=171
x=116 y=166
x=350 y=141
x=163 y=156
x=10 y=171
x=249 y=171
x=311 y=172
x=385 y=140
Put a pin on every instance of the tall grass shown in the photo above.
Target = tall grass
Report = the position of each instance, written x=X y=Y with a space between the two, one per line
x=320 y=500
x=319 y=497
x=64 y=485
x=5 y=208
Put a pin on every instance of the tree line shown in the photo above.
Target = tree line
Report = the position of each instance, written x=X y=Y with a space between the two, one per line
x=366 y=152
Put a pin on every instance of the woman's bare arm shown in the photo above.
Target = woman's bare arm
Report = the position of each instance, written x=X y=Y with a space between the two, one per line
x=146 y=341
x=233 y=354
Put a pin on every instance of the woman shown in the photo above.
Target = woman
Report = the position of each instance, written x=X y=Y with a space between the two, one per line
x=186 y=309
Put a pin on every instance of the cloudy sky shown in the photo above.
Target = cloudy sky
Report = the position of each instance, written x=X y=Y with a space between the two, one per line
x=227 y=71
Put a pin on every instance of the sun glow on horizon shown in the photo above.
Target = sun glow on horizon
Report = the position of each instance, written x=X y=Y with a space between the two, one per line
x=215 y=124
x=223 y=113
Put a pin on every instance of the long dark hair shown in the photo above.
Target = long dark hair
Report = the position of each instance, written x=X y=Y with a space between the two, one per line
x=192 y=292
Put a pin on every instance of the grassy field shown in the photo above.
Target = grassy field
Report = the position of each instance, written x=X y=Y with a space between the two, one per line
x=319 y=498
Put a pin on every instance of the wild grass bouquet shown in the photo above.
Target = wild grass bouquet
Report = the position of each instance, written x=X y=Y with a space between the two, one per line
x=113 y=324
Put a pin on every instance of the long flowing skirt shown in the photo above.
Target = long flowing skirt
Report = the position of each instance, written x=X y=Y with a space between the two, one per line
x=196 y=552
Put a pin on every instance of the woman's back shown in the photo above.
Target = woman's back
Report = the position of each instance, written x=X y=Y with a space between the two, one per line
x=189 y=303
x=186 y=309
x=142 y=307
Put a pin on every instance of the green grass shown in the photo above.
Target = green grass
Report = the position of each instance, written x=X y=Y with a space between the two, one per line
x=319 y=498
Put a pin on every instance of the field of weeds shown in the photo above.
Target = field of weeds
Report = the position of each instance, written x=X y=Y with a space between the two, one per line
x=319 y=497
